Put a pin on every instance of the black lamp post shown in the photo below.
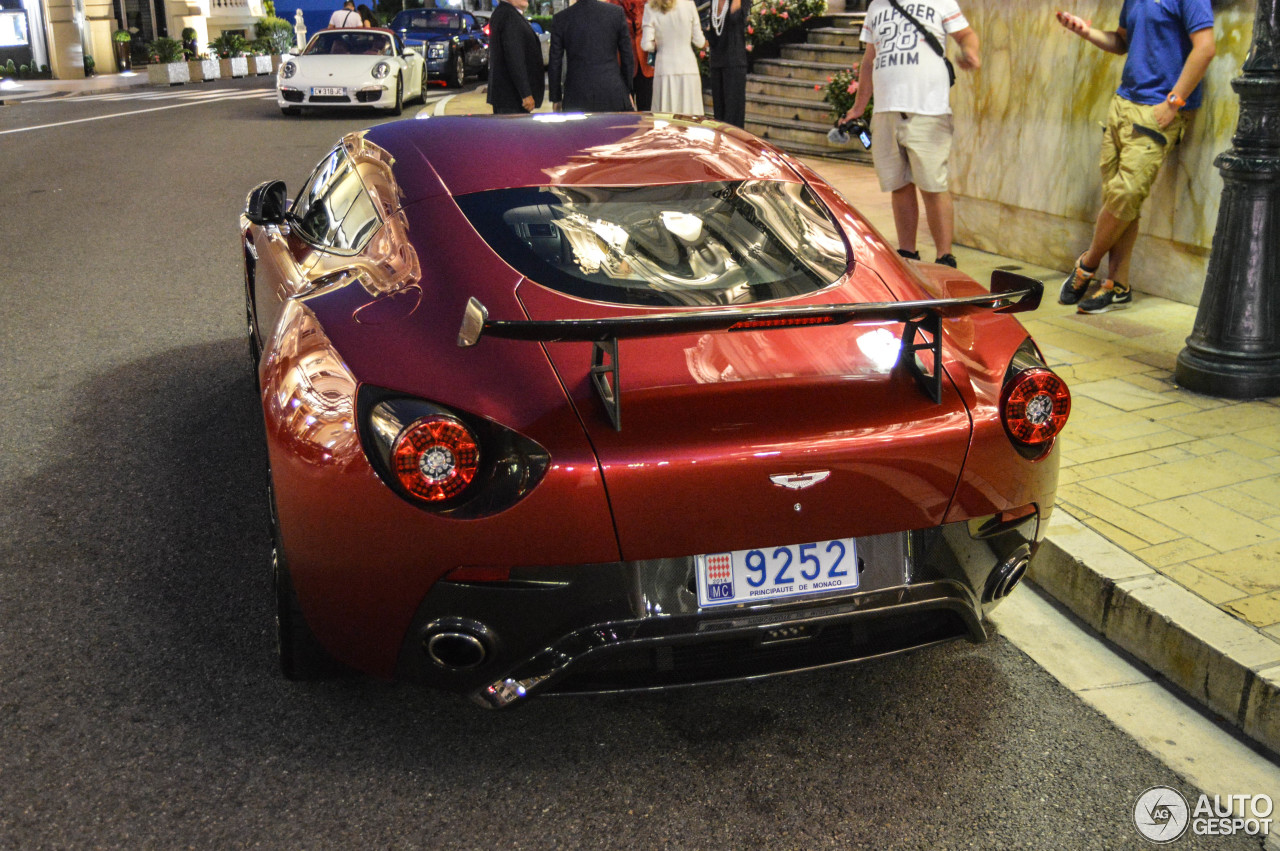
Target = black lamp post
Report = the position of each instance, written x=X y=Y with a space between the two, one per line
x=1234 y=348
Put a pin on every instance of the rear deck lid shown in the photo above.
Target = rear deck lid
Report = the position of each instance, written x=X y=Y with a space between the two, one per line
x=723 y=441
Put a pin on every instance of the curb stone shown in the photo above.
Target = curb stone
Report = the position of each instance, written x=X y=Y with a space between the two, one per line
x=1221 y=663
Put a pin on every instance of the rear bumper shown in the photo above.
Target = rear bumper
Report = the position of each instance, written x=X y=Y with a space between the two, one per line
x=632 y=626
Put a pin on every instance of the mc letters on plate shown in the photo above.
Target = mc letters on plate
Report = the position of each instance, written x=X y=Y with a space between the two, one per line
x=770 y=573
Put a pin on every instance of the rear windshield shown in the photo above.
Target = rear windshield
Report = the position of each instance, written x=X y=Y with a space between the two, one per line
x=720 y=243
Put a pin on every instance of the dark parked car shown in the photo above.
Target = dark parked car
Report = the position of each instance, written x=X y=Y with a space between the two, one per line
x=640 y=404
x=453 y=42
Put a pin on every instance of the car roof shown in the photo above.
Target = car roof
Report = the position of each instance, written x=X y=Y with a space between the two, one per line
x=473 y=153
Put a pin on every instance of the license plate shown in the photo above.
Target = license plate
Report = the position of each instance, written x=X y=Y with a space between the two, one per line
x=326 y=91
x=771 y=573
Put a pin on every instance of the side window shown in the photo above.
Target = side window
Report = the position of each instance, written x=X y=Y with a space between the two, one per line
x=333 y=210
x=468 y=23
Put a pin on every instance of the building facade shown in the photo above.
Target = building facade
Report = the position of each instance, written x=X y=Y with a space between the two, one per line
x=62 y=33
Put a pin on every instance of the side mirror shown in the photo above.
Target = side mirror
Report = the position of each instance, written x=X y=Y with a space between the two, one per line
x=295 y=51
x=409 y=51
x=266 y=203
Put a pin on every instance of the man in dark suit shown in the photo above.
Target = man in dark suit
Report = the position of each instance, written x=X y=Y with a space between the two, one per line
x=601 y=58
x=515 y=60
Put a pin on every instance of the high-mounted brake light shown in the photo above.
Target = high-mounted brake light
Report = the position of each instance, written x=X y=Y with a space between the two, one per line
x=790 y=322
x=435 y=458
x=1035 y=407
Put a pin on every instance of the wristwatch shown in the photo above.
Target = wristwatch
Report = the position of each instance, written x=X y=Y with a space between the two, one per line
x=1175 y=101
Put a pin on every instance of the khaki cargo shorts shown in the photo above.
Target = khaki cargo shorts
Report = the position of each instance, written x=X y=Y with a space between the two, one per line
x=911 y=148
x=1133 y=149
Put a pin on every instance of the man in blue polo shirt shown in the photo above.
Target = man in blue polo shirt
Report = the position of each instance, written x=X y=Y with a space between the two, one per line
x=1169 y=44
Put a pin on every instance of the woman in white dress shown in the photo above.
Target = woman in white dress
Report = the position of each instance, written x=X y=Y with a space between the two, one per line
x=672 y=28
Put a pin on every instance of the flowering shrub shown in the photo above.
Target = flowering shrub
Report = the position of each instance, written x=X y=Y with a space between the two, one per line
x=842 y=89
x=771 y=18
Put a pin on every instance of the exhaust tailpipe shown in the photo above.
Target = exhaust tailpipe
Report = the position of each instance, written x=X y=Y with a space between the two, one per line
x=457 y=645
x=1008 y=574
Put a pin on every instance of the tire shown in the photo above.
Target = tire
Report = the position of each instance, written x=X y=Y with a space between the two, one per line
x=291 y=110
x=255 y=351
x=399 y=105
x=457 y=73
x=302 y=657
x=422 y=86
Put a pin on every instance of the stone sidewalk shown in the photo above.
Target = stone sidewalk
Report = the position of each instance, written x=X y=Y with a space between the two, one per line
x=1166 y=538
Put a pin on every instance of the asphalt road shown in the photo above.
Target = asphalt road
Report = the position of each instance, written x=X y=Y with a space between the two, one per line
x=140 y=705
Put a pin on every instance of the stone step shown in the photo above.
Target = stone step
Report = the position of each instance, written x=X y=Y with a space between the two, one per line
x=782 y=87
x=823 y=54
x=791 y=69
x=835 y=35
x=816 y=146
x=782 y=131
x=828 y=151
x=790 y=109
x=847 y=20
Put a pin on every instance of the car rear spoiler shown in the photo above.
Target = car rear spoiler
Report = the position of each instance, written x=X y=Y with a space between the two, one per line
x=1010 y=293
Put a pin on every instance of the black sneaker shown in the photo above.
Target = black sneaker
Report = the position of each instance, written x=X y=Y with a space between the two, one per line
x=947 y=260
x=1109 y=296
x=910 y=255
x=1076 y=284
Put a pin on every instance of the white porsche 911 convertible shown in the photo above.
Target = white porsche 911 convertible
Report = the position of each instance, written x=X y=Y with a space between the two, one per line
x=351 y=67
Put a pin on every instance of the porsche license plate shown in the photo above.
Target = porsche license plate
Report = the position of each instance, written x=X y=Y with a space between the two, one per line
x=770 y=573
x=328 y=91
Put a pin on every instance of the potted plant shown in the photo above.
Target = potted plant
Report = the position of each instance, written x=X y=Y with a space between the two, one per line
x=841 y=91
x=168 y=66
x=120 y=42
x=204 y=68
x=259 y=57
x=229 y=48
x=775 y=23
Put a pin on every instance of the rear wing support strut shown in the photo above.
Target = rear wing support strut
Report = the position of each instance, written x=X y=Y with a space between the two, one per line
x=605 y=377
x=930 y=323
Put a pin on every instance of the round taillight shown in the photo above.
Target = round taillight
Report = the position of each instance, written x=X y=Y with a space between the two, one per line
x=435 y=458
x=1036 y=406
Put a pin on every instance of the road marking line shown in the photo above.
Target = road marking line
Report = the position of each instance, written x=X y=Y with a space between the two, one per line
x=104 y=117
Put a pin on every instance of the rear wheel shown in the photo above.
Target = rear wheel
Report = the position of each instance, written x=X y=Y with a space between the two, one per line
x=457 y=72
x=422 y=85
x=301 y=655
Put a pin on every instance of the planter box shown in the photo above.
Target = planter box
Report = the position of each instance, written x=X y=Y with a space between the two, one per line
x=276 y=62
x=203 y=70
x=168 y=74
x=259 y=65
x=237 y=66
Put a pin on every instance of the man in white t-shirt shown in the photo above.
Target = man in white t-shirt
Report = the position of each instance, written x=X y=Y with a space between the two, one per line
x=347 y=16
x=911 y=125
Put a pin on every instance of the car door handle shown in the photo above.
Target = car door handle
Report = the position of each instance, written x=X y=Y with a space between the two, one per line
x=249 y=247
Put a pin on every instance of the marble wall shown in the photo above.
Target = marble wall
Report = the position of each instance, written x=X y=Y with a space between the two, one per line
x=1027 y=133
